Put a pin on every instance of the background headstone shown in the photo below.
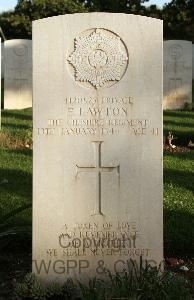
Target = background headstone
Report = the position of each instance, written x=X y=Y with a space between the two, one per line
x=17 y=74
x=97 y=177
x=177 y=74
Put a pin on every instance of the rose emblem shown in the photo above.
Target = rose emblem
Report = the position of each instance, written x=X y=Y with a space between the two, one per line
x=98 y=58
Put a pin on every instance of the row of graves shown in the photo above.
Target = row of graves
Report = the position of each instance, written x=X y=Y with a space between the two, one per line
x=16 y=70
x=97 y=137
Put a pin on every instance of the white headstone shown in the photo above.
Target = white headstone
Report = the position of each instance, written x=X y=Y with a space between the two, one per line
x=177 y=74
x=97 y=177
x=17 y=74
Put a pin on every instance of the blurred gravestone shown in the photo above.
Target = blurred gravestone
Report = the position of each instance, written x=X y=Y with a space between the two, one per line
x=17 y=74
x=177 y=74
x=97 y=187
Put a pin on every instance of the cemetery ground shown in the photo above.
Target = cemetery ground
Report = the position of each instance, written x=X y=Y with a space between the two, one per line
x=16 y=195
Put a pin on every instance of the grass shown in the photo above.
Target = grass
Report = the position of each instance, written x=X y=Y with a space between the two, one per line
x=16 y=176
x=16 y=159
x=179 y=204
x=141 y=283
x=16 y=128
x=181 y=123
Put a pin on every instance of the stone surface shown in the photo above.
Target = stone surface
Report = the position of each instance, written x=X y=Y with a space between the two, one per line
x=177 y=74
x=97 y=177
x=17 y=74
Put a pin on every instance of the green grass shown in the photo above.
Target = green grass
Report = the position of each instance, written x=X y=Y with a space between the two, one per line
x=16 y=128
x=179 y=204
x=179 y=186
x=141 y=283
x=16 y=176
x=181 y=123
x=16 y=159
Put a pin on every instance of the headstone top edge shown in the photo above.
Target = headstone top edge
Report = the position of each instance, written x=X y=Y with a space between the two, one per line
x=17 y=40
x=177 y=41
x=100 y=14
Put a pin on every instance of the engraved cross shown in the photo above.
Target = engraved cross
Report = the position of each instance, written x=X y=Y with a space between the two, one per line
x=98 y=169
